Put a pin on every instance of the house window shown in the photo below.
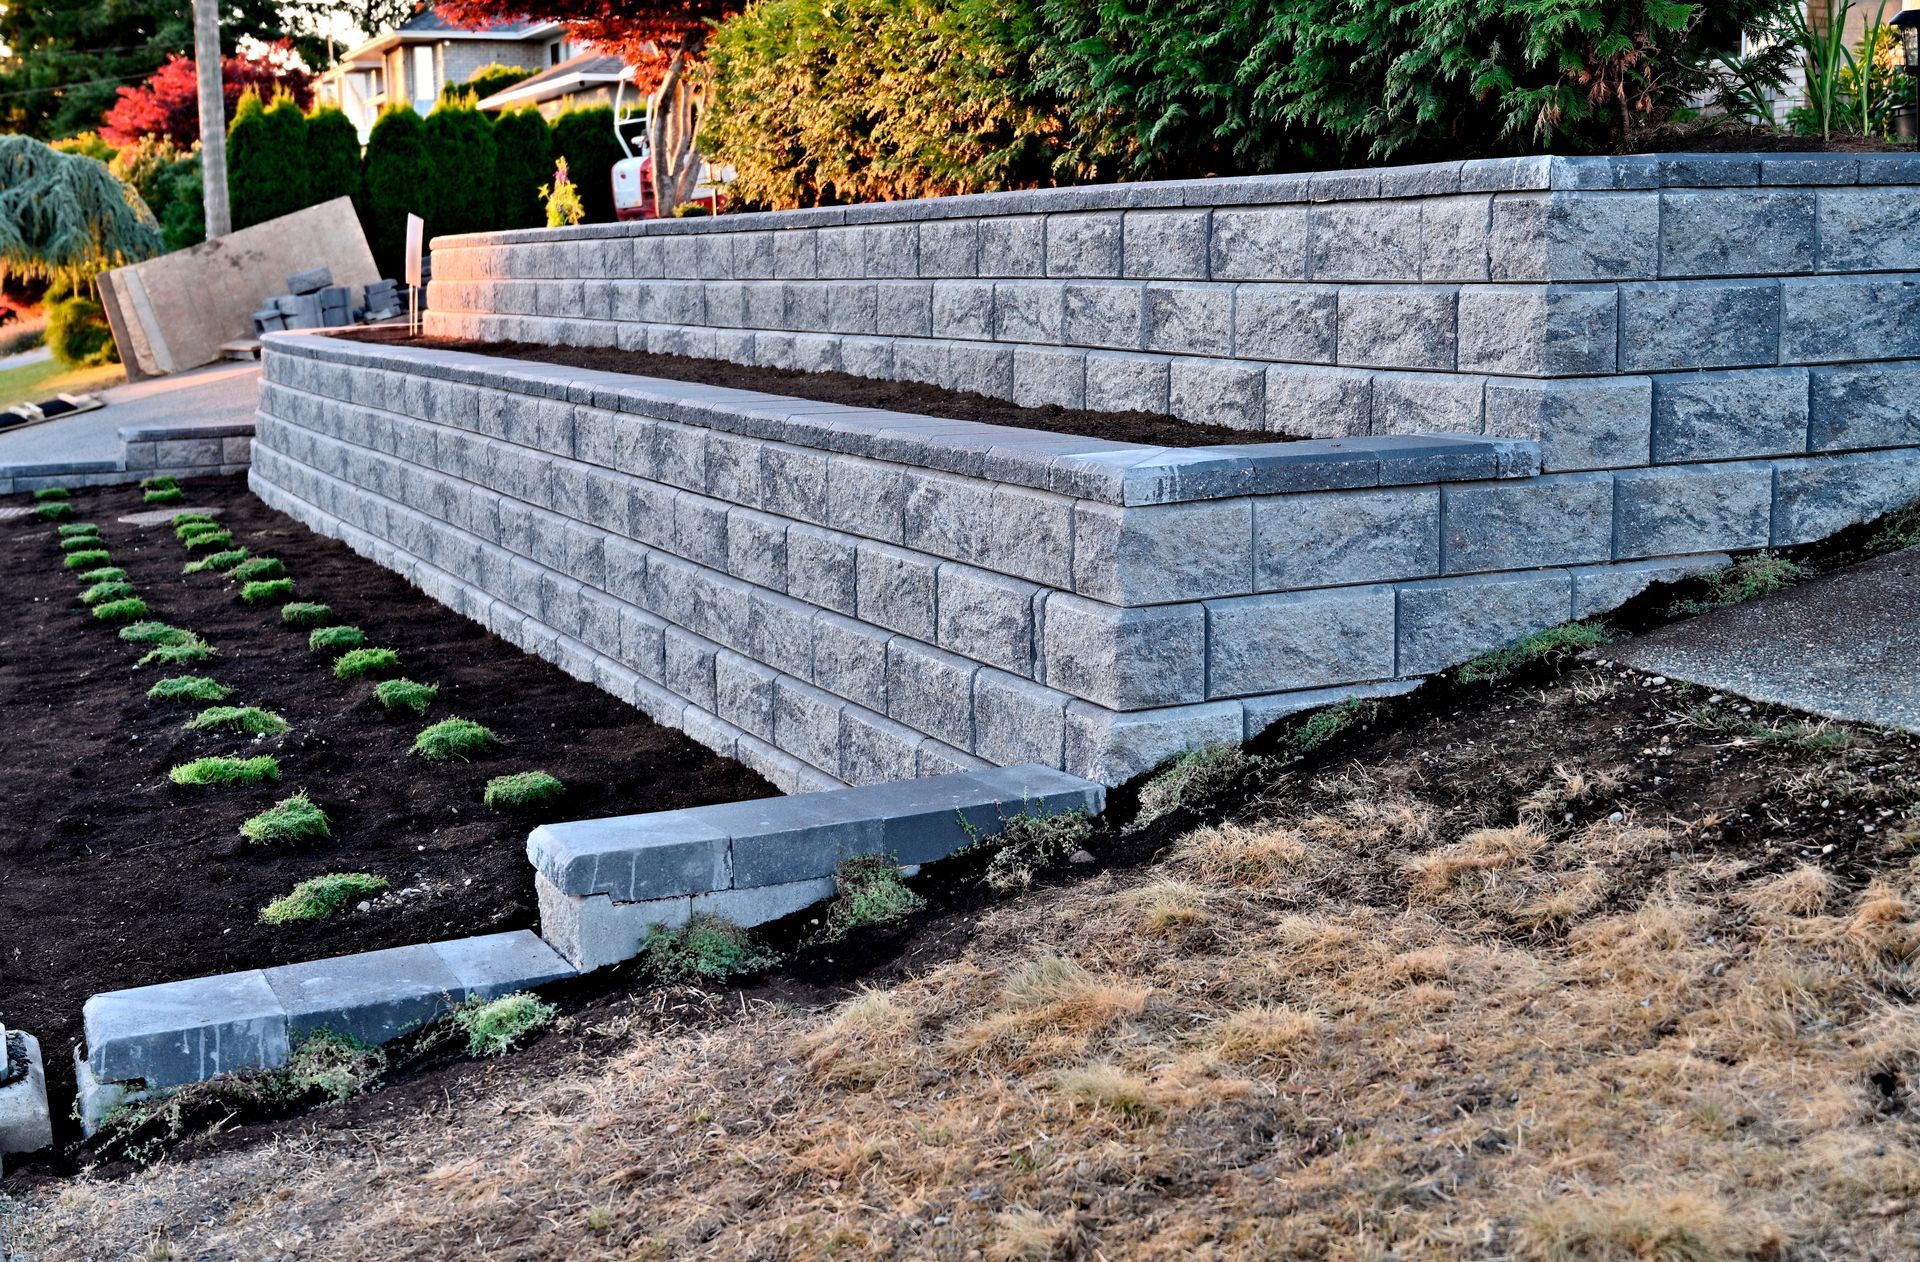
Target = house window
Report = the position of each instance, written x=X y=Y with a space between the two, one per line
x=424 y=86
x=556 y=52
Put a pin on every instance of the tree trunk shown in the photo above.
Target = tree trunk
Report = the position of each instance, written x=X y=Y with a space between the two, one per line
x=213 y=116
x=673 y=121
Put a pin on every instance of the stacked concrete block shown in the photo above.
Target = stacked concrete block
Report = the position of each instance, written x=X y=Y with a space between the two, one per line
x=25 y=1123
x=152 y=1038
x=606 y=884
x=1533 y=387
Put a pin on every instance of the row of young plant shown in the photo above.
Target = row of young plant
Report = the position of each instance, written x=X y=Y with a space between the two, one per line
x=265 y=581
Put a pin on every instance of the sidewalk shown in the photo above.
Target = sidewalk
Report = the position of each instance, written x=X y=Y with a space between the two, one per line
x=223 y=394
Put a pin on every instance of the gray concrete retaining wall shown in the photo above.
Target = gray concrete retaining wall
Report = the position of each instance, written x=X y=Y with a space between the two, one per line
x=146 y=451
x=841 y=595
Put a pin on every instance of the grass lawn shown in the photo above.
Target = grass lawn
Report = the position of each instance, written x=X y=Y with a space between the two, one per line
x=32 y=383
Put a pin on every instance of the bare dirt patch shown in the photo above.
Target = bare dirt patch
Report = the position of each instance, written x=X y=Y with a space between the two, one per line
x=111 y=876
x=855 y=392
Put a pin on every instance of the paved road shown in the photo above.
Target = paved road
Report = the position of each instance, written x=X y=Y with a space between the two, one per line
x=1845 y=645
x=219 y=394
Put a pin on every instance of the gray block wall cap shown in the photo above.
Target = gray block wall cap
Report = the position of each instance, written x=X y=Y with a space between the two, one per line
x=185 y=1031
x=681 y=852
x=168 y=433
x=58 y=468
x=493 y=964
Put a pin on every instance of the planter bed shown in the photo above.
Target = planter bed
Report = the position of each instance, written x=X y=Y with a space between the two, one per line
x=116 y=877
x=846 y=389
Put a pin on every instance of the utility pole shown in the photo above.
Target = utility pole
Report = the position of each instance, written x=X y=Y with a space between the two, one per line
x=213 y=116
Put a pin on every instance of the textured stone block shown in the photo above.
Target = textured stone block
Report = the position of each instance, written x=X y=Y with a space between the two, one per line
x=1866 y=230
x=1263 y=712
x=1044 y=376
x=1111 y=748
x=1699 y=324
x=1826 y=319
x=1318 y=402
x=875 y=749
x=1194 y=319
x=987 y=617
x=1084 y=244
x=1728 y=415
x=1397 y=326
x=1293 y=323
x=820 y=567
x=1736 y=232
x=850 y=660
x=1538 y=330
x=1299 y=640
x=688 y=667
x=931 y=690
x=1127 y=383
x=1427 y=403
x=904 y=308
x=1017 y=720
x=1364 y=241
x=963 y=309
x=1105 y=315
x=1013 y=246
x=779 y=632
x=1337 y=537
x=1166 y=244
x=1595 y=423
x=1560 y=519
x=1864 y=405
x=1813 y=498
x=1028 y=311
x=866 y=497
x=591 y=931
x=950 y=247
x=743 y=693
x=1444 y=622
x=185 y=1031
x=1150 y=555
x=1575 y=236
x=1218 y=392
x=806 y=724
x=1265 y=243
x=1692 y=508
x=1125 y=659
x=1453 y=237
x=978 y=369
x=1599 y=589
x=757 y=548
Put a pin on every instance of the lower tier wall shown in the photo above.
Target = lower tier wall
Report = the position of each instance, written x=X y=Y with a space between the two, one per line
x=780 y=631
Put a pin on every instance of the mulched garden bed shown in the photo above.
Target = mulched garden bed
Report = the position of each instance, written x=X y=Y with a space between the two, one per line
x=111 y=876
x=852 y=391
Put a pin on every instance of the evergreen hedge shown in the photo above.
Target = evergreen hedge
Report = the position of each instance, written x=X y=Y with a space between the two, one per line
x=267 y=172
x=333 y=155
x=584 y=137
x=460 y=157
x=522 y=162
x=395 y=181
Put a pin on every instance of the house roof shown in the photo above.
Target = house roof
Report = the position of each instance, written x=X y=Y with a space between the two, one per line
x=426 y=26
x=578 y=72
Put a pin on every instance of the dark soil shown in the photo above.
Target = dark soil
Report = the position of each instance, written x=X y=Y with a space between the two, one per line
x=111 y=876
x=852 y=391
x=1725 y=137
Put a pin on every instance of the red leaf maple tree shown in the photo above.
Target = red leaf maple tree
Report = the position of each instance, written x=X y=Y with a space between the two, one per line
x=167 y=102
x=659 y=40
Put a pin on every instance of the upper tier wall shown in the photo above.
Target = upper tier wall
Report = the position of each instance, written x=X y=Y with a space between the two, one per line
x=1621 y=311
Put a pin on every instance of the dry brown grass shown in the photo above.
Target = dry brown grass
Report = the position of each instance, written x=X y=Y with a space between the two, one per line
x=1370 y=1029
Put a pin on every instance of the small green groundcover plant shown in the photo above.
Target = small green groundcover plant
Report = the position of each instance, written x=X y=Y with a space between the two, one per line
x=125 y=609
x=155 y=633
x=105 y=574
x=88 y=559
x=290 y=819
x=189 y=688
x=1567 y=640
x=74 y=529
x=59 y=510
x=357 y=663
x=218 y=562
x=249 y=719
x=50 y=493
x=523 y=790
x=495 y=1027
x=451 y=739
x=322 y=897
x=161 y=482
x=190 y=652
x=209 y=539
x=165 y=495
x=274 y=589
x=405 y=694
x=870 y=895
x=80 y=543
x=1745 y=579
x=190 y=526
x=1027 y=844
x=224 y=771
x=333 y=639
x=1192 y=777
x=706 y=948
x=99 y=593
x=259 y=568
x=305 y=613
x=180 y=521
